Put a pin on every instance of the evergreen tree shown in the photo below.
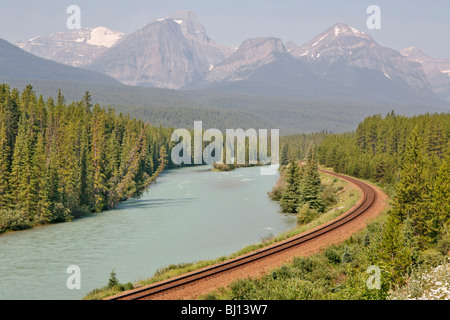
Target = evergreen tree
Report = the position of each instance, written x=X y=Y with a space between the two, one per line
x=284 y=158
x=61 y=161
x=113 y=281
x=440 y=196
x=393 y=254
x=311 y=192
x=413 y=190
x=98 y=159
x=41 y=181
x=4 y=163
x=20 y=178
x=290 y=198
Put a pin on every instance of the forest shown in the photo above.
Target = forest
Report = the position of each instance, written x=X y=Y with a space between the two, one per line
x=409 y=154
x=409 y=157
x=59 y=161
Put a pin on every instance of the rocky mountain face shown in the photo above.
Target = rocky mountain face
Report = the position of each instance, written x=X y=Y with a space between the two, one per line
x=74 y=48
x=342 y=62
x=436 y=70
x=345 y=54
x=251 y=55
x=263 y=66
x=176 y=53
x=166 y=53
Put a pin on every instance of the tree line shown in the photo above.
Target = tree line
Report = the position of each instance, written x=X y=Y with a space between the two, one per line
x=411 y=156
x=59 y=161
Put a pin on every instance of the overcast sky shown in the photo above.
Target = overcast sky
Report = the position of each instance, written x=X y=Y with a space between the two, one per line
x=404 y=23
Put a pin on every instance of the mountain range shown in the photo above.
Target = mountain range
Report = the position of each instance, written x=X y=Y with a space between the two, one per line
x=436 y=70
x=74 y=48
x=340 y=71
x=16 y=63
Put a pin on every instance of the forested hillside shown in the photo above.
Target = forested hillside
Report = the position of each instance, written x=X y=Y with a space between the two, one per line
x=410 y=158
x=179 y=109
x=61 y=161
x=412 y=155
x=378 y=149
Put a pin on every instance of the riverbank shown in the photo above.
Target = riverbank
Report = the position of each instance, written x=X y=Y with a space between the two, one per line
x=187 y=216
x=349 y=195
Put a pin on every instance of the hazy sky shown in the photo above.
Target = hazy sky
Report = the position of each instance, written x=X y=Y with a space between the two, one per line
x=404 y=23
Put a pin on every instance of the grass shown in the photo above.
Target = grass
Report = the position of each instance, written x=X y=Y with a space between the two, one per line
x=347 y=195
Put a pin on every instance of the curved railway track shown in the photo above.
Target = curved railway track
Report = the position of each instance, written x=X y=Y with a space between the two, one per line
x=149 y=292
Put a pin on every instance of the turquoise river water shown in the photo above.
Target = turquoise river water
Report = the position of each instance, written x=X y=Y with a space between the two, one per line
x=191 y=214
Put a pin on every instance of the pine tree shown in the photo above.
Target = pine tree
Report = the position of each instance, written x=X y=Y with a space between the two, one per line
x=87 y=102
x=284 y=158
x=413 y=190
x=59 y=161
x=22 y=193
x=98 y=159
x=440 y=196
x=290 y=198
x=311 y=188
x=4 y=162
x=113 y=281
x=393 y=253
x=41 y=180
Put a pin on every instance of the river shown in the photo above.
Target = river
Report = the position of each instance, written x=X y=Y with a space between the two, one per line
x=191 y=214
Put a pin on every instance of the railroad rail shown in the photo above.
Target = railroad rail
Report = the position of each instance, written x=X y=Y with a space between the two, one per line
x=150 y=291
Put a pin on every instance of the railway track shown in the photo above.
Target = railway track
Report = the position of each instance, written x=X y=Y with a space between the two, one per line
x=157 y=289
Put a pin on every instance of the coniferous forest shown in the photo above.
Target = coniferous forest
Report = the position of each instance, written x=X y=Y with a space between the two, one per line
x=60 y=161
x=409 y=154
x=409 y=157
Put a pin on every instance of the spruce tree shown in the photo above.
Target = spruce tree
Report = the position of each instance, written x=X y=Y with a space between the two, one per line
x=440 y=196
x=113 y=281
x=284 y=158
x=394 y=256
x=290 y=198
x=311 y=193
x=413 y=189
x=4 y=163
x=41 y=180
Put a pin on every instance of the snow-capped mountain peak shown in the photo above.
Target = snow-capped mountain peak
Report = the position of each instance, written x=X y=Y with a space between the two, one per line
x=74 y=48
x=342 y=49
x=341 y=29
x=104 y=37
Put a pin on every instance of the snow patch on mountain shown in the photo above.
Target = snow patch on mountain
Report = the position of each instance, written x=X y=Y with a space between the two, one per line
x=104 y=37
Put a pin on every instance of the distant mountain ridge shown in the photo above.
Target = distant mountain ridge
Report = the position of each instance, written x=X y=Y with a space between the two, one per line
x=176 y=53
x=75 y=47
x=16 y=63
x=175 y=74
x=437 y=71
x=166 y=53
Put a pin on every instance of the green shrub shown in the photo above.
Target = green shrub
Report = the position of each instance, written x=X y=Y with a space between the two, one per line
x=304 y=265
x=282 y=273
x=162 y=271
x=13 y=220
x=332 y=255
x=431 y=257
x=243 y=289
x=276 y=192
x=346 y=256
x=329 y=196
x=61 y=213
x=306 y=214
